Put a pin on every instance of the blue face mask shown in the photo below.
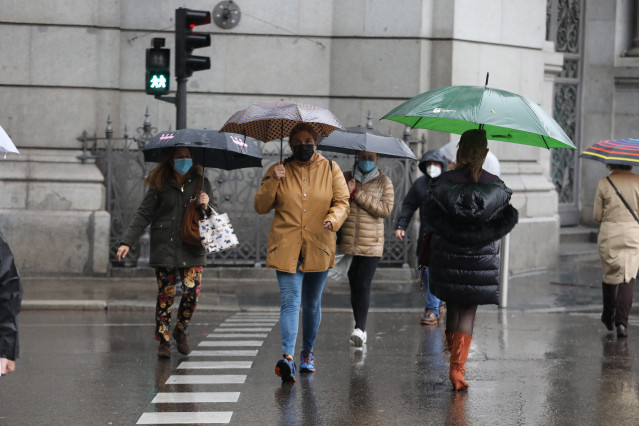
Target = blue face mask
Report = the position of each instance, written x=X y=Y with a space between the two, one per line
x=182 y=165
x=366 y=165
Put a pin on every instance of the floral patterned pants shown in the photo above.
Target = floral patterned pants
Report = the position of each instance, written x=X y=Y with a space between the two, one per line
x=191 y=279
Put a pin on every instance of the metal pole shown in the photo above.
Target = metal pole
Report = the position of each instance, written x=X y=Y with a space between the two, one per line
x=503 y=271
x=180 y=104
x=634 y=46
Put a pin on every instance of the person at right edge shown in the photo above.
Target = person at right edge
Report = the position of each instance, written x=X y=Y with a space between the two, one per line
x=469 y=211
x=310 y=199
x=618 y=241
x=432 y=164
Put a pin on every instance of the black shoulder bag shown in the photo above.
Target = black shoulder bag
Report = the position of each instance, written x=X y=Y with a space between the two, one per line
x=623 y=200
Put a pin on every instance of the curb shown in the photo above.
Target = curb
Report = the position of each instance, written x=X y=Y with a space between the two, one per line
x=105 y=305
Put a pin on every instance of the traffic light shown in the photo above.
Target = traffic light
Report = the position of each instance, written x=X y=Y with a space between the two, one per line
x=158 y=68
x=186 y=41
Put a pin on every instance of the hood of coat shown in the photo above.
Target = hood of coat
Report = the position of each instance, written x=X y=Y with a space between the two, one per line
x=433 y=155
x=470 y=212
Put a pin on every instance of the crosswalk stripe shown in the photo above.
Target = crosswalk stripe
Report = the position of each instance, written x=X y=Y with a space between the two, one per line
x=244 y=325
x=255 y=318
x=236 y=335
x=208 y=379
x=248 y=324
x=233 y=343
x=166 y=418
x=238 y=352
x=214 y=364
x=234 y=329
x=191 y=397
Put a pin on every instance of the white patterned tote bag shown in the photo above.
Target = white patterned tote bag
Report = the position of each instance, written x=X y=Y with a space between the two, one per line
x=216 y=233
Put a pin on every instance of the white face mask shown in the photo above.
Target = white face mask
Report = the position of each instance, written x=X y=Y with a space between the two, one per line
x=433 y=171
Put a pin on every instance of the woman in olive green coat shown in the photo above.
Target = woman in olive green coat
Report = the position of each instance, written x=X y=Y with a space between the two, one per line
x=171 y=186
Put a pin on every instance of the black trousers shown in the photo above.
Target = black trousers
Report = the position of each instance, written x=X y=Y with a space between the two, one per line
x=617 y=301
x=360 y=276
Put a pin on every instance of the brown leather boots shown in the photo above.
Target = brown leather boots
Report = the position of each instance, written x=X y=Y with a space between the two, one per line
x=164 y=350
x=459 y=346
x=181 y=342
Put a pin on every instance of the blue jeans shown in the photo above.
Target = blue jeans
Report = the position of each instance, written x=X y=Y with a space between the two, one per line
x=432 y=302
x=297 y=289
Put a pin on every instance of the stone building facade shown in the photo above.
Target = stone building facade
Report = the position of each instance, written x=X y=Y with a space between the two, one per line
x=66 y=67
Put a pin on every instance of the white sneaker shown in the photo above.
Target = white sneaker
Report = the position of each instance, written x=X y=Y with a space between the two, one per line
x=358 y=338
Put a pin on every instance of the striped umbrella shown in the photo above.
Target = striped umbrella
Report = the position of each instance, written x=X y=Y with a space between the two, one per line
x=618 y=151
x=272 y=120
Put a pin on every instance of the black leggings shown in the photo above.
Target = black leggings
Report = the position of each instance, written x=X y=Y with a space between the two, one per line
x=460 y=318
x=617 y=302
x=360 y=276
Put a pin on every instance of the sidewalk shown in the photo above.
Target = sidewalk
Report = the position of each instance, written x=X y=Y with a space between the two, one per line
x=574 y=284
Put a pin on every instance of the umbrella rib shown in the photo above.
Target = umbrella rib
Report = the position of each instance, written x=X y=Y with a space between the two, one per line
x=546 y=143
x=416 y=123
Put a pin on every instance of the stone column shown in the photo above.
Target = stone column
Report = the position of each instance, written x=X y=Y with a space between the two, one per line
x=634 y=46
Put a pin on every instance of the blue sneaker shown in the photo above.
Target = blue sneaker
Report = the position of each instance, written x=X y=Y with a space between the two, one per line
x=285 y=368
x=307 y=363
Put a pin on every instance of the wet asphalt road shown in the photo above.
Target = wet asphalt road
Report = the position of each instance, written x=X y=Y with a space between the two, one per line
x=541 y=366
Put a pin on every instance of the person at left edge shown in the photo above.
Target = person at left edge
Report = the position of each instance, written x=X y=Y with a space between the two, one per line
x=10 y=301
x=310 y=199
x=171 y=186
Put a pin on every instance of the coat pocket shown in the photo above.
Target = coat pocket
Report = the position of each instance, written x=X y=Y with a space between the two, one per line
x=161 y=232
x=322 y=248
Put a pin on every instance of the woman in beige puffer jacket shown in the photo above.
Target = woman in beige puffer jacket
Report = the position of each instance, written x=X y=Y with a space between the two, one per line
x=362 y=235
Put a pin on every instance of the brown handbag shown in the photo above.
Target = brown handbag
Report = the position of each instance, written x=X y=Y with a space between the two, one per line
x=190 y=231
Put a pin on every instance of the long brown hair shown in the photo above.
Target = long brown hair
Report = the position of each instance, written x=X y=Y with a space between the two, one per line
x=471 y=152
x=163 y=172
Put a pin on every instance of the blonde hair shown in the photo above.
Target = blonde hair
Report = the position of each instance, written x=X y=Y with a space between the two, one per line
x=471 y=152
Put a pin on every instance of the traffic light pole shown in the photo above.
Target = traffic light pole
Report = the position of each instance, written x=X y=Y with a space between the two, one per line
x=180 y=104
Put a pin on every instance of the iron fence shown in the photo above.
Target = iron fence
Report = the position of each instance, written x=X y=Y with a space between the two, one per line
x=121 y=161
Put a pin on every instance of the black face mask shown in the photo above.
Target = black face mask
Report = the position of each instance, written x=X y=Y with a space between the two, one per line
x=303 y=152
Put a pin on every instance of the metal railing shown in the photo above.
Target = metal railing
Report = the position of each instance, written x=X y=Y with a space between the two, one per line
x=121 y=161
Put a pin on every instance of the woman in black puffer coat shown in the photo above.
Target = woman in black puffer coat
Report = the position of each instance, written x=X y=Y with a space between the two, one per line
x=469 y=211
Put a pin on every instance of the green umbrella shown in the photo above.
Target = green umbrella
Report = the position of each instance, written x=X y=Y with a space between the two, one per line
x=504 y=115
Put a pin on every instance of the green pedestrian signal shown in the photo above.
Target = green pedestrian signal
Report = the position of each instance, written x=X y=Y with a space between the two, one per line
x=158 y=66
x=158 y=82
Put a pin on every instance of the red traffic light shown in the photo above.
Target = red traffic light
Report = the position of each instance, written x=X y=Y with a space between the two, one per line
x=186 y=41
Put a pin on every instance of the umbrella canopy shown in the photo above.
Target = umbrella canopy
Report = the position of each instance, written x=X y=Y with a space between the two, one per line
x=271 y=120
x=209 y=148
x=620 y=151
x=505 y=116
x=358 y=138
x=6 y=144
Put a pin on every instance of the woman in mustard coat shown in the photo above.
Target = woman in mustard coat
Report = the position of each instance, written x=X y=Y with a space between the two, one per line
x=310 y=199
x=618 y=241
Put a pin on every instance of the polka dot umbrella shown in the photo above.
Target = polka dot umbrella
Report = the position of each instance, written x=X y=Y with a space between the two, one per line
x=272 y=120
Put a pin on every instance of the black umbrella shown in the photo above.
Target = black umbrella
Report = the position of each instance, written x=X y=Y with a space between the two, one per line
x=358 y=138
x=209 y=148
